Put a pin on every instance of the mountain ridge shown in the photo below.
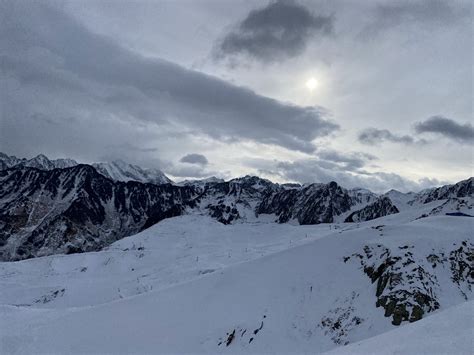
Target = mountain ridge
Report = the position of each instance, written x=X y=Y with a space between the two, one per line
x=77 y=208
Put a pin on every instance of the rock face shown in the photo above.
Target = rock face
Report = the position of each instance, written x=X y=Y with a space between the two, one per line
x=407 y=284
x=313 y=204
x=461 y=189
x=382 y=207
x=235 y=199
x=77 y=209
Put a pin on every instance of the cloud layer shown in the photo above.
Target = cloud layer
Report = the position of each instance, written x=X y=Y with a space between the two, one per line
x=278 y=31
x=348 y=169
x=374 y=136
x=446 y=127
x=440 y=125
x=59 y=74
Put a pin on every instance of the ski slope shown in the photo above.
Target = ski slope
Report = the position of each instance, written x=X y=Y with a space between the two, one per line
x=192 y=285
x=447 y=332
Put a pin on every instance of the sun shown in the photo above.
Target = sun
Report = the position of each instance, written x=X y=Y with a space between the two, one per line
x=311 y=84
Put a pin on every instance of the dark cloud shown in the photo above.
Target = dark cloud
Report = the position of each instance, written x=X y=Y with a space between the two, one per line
x=278 y=31
x=374 y=136
x=446 y=127
x=194 y=159
x=99 y=94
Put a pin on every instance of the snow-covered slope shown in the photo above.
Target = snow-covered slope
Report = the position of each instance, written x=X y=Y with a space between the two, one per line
x=119 y=170
x=192 y=285
x=446 y=332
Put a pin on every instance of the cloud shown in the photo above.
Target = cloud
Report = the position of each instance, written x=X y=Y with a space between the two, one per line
x=315 y=170
x=68 y=89
x=194 y=158
x=446 y=127
x=278 y=31
x=349 y=169
x=374 y=136
x=426 y=12
x=346 y=161
x=189 y=171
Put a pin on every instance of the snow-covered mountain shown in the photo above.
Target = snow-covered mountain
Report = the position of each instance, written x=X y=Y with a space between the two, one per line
x=241 y=266
x=193 y=285
x=117 y=170
x=40 y=162
x=78 y=209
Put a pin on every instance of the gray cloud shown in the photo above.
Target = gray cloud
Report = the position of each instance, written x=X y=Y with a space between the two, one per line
x=98 y=93
x=194 y=159
x=374 y=136
x=463 y=133
x=427 y=12
x=348 y=161
x=278 y=31
x=315 y=170
x=347 y=169
x=189 y=171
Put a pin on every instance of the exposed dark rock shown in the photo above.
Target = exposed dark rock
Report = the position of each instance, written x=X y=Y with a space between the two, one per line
x=230 y=338
x=313 y=204
x=461 y=189
x=76 y=209
x=380 y=208
x=341 y=320
x=405 y=286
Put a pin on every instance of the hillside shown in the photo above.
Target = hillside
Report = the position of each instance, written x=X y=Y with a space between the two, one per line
x=190 y=284
x=81 y=208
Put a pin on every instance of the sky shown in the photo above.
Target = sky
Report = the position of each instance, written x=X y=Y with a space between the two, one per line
x=372 y=94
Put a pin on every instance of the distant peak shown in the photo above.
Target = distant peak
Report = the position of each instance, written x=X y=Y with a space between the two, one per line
x=41 y=156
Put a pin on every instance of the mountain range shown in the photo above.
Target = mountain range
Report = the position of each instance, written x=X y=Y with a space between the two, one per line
x=60 y=206
x=241 y=266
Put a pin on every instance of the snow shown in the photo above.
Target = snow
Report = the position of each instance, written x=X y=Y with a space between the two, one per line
x=185 y=284
x=446 y=332
x=119 y=170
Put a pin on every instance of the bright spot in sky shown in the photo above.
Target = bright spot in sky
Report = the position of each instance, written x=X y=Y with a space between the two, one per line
x=311 y=84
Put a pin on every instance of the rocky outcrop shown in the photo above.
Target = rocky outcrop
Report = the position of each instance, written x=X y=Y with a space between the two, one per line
x=313 y=204
x=380 y=208
x=461 y=189
x=406 y=285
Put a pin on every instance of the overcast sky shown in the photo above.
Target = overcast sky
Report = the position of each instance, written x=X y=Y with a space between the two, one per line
x=374 y=94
